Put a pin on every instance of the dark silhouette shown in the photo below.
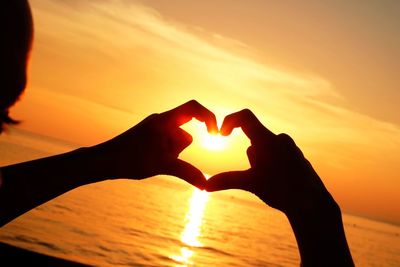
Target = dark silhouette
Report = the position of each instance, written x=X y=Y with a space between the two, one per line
x=279 y=174
x=17 y=32
x=150 y=148
x=12 y=255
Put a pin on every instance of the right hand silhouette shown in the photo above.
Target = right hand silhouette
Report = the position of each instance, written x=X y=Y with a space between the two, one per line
x=279 y=173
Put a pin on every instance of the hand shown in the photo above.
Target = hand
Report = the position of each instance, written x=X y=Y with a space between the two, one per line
x=152 y=147
x=279 y=173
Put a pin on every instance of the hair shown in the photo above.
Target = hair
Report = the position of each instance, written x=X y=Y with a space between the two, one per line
x=16 y=28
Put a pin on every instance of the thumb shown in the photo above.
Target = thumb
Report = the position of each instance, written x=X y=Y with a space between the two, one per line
x=229 y=180
x=187 y=172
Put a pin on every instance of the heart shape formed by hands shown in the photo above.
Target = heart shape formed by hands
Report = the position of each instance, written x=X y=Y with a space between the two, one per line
x=274 y=162
x=163 y=140
x=274 y=159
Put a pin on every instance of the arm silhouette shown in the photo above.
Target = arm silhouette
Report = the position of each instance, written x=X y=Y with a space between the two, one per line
x=150 y=148
x=283 y=178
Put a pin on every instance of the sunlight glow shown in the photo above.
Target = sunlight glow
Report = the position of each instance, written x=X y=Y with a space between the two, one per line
x=214 y=142
x=194 y=218
x=215 y=153
x=192 y=229
x=184 y=258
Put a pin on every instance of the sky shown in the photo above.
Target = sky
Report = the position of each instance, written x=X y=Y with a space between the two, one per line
x=323 y=73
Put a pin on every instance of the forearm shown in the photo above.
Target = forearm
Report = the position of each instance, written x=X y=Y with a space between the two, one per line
x=30 y=184
x=320 y=236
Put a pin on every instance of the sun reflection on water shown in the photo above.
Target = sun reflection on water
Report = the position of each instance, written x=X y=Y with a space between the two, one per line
x=192 y=230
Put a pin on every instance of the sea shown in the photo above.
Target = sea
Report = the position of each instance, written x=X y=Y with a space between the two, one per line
x=162 y=221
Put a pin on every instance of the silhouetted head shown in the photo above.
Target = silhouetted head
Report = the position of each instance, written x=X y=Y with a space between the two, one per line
x=16 y=37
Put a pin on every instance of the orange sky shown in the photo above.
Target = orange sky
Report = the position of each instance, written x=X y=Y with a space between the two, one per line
x=323 y=74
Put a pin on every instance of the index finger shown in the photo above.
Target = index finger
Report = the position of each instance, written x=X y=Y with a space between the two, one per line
x=187 y=172
x=193 y=109
x=249 y=123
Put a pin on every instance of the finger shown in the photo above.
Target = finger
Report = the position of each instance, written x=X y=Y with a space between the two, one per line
x=184 y=113
x=229 y=180
x=249 y=123
x=178 y=141
x=251 y=155
x=187 y=172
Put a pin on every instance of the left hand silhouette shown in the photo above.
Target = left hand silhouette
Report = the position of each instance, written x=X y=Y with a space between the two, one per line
x=152 y=147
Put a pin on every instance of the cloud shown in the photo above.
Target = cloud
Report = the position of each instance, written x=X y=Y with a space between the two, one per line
x=150 y=61
x=127 y=55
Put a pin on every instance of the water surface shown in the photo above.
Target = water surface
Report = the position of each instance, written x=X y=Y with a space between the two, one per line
x=163 y=221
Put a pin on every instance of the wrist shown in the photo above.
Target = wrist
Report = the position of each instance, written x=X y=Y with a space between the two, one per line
x=96 y=164
x=318 y=209
x=320 y=236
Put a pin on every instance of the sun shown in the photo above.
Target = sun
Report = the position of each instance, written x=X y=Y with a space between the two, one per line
x=214 y=142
